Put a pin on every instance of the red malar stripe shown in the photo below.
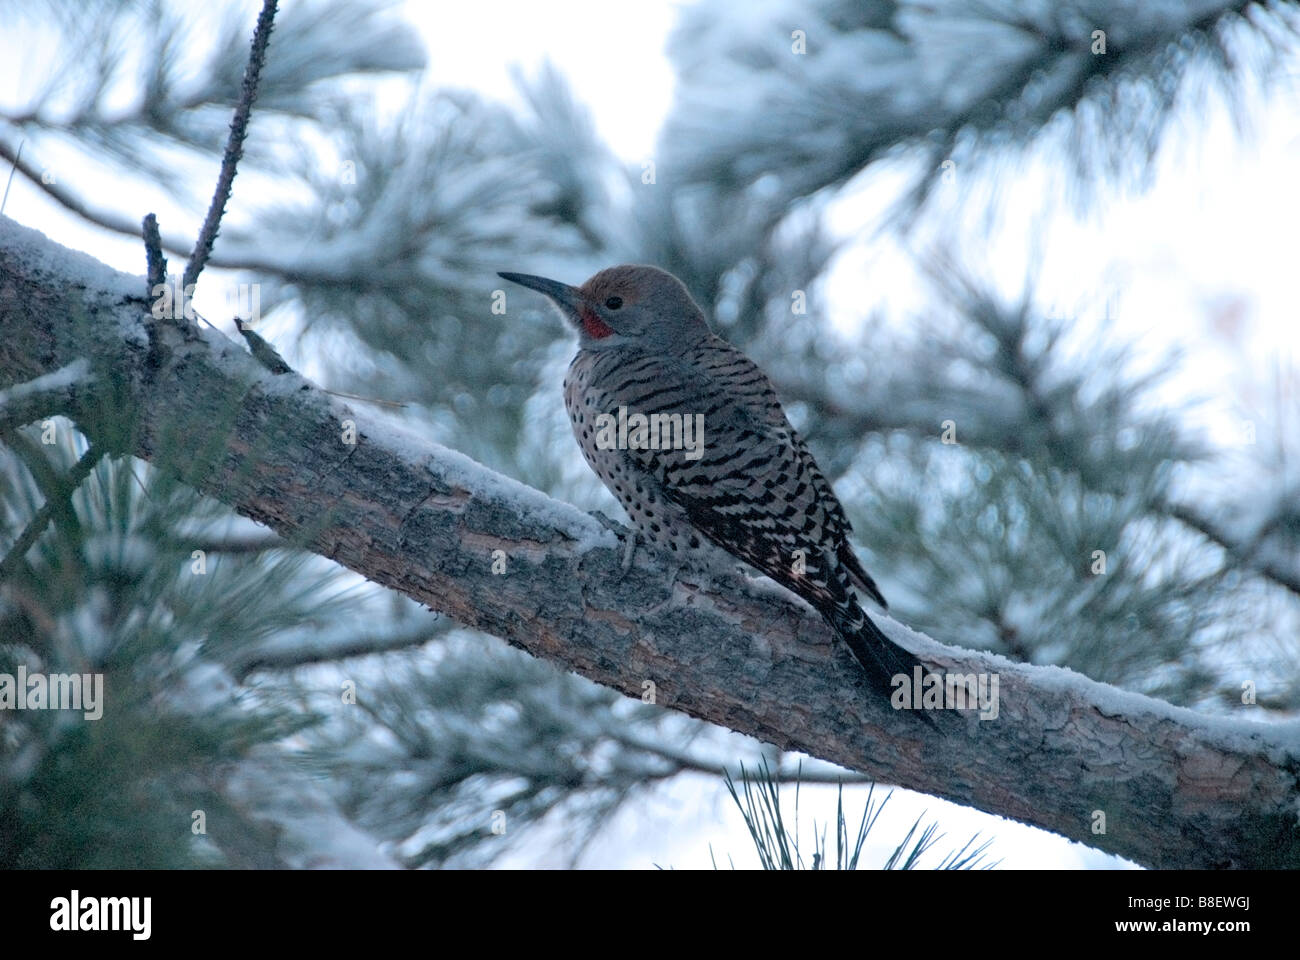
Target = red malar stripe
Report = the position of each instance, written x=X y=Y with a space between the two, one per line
x=595 y=326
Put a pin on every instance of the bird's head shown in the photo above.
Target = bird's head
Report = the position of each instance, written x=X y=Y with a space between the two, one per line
x=625 y=306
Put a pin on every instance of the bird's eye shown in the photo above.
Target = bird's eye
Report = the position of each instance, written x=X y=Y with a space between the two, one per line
x=614 y=303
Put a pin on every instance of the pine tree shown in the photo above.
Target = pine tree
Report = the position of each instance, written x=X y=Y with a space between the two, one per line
x=1059 y=528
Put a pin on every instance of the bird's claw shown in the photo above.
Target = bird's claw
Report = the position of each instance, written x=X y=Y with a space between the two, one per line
x=629 y=553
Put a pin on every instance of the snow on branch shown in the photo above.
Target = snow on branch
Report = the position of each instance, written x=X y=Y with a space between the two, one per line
x=839 y=85
x=1161 y=785
x=43 y=396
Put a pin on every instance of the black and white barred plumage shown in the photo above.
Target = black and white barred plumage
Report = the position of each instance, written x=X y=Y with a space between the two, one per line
x=753 y=489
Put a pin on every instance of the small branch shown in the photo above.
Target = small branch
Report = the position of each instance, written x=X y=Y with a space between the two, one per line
x=157 y=263
x=254 y=543
x=270 y=358
x=156 y=282
x=69 y=200
x=234 y=146
x=44 y=396
x=1280 y=575
x=10 y=181
x=683 y=761
x=62 y=500
x=289 y=657
x=266 y=354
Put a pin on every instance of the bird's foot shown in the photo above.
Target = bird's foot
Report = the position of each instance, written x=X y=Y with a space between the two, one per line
x=629 y=554
x=628 y=535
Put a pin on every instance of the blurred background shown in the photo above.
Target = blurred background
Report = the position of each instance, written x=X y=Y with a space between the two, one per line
x=1022 y=272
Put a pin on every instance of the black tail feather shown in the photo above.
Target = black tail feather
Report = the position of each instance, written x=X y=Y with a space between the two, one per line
x=881 y=658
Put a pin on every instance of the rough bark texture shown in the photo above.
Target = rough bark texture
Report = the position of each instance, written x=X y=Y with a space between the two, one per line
x=1177 y=790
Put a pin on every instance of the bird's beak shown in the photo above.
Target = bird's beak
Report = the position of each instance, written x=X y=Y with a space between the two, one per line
x=568 y=299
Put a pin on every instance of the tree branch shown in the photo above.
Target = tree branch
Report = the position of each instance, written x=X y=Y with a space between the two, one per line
x=108 y=219
x=44 y=396
x=305 y=651
x=246 y=543
x=59 y=499
x=1246 y=554
x=156 y=262
x=234 y=145
x=1177 y=789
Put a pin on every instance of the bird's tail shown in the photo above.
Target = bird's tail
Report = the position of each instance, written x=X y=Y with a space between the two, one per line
x=881 y=658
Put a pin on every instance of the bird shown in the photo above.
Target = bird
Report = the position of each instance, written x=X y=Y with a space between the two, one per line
x=747 y=486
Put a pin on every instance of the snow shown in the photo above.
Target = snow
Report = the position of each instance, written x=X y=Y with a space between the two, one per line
x=66 y=376
x=457 y=470
x=42 y=256
x=1238 y=734
x=69 y=267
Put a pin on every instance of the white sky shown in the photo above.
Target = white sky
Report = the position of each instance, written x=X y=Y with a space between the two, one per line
x=1205 y=259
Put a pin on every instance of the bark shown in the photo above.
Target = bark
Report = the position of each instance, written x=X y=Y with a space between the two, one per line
x=1176 y=789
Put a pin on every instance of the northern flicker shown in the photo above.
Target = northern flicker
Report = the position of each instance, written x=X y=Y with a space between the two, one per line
x=751 y=487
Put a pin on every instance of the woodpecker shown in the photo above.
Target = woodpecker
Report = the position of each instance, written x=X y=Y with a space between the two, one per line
x=747 y=484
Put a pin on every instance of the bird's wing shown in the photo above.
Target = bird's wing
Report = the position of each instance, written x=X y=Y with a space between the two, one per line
x=752 y=490
x=731 y=370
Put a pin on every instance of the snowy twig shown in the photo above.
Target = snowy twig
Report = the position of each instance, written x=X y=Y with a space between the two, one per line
x=44 y=396
x=234 y=146
x=270 y=358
